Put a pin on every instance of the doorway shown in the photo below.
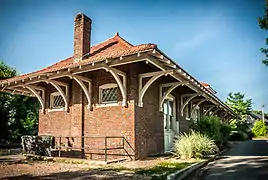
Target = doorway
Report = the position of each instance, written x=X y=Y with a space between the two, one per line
x=170 y=123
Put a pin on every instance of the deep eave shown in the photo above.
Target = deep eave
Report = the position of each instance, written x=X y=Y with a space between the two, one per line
x=162 y=61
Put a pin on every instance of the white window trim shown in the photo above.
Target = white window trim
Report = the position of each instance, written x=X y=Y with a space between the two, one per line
x=175 y=122
x=51 y=102
x=106 y=86
x=186 y=112
x=196 y=110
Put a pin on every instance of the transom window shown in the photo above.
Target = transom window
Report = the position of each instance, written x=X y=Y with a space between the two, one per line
x=108 y=93
x=56 y=101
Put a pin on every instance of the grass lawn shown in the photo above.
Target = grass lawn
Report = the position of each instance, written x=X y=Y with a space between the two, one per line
x=161 y=170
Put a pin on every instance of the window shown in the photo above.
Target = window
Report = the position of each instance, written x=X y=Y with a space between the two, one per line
x=169 y=108
x=187 y=112
x=108 y=93
x=56 y=101
x=196 y=112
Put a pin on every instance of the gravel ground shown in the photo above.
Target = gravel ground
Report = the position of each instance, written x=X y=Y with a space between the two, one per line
x=17 y=167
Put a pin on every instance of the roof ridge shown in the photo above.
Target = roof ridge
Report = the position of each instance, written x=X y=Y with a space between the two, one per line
x=95 y=45
x=125 y=42
x=97 y=55
x=107 y=41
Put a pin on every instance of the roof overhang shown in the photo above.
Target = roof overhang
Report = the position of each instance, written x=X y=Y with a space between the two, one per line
x=153 y=56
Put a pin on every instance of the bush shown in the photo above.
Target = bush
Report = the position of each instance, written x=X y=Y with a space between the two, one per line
x=259 y=129
x=195 y=145
x=237 y=136
x=239 y=125
x=213 y=128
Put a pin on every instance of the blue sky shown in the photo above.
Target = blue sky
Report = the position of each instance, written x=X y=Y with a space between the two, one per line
x=216 y=41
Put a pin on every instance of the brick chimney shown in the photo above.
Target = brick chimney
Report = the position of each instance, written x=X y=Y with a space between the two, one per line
x=82 y=33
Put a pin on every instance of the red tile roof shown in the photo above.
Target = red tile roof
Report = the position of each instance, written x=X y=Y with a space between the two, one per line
x=111 y=48
x=204 y=84
x=208 y=87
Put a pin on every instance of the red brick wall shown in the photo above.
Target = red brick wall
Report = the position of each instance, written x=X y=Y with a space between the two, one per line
x=142 y=127
x=149 y=124
x=102 y=121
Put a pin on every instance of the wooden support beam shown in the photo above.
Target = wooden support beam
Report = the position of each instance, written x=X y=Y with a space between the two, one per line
x=162 y=96
x=187 y=101
x=154 y=76
x=200 y=102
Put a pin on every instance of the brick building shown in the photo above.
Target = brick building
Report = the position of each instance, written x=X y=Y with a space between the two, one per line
x=125 y=100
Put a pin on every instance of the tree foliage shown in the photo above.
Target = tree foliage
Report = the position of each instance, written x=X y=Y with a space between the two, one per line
x=6 y=71
x=263 y=23
x=19 y=114
x=259 y=128
x=239 y=104
x=213 y=127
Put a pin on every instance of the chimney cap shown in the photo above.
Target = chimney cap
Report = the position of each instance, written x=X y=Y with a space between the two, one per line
x=81 y=16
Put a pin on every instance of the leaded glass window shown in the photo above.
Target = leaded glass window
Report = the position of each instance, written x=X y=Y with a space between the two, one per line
x=108 y=93
x=56 y=101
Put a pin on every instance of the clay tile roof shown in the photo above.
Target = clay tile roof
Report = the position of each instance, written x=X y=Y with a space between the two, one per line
x=113 y=47
x=204 y=84
x=208 y=87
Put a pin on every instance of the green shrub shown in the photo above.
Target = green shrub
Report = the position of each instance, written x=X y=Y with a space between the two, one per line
x=213 y=128
x=195 y=145
x=239 y=125
x=259 y=128
x=237 y=136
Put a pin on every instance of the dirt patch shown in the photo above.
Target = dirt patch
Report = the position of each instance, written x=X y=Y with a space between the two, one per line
x=18 y=167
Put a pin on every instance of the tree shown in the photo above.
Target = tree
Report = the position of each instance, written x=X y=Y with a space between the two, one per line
x=239 y=104
x=242 y=107
x=260 y=128
x=19 y=114
x=258 y=112
x=263 y=23
x=5 y=100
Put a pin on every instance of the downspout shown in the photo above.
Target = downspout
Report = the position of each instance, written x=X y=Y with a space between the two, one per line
x=83 y=125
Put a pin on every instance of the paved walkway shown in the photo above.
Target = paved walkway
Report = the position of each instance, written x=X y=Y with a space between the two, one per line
x=247 y=160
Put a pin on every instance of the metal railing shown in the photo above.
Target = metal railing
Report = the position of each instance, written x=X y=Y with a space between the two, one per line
x=91 y=143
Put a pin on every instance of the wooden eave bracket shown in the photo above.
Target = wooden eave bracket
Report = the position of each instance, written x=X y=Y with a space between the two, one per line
x=153 y=77
x=189 y=98
x=209 y=109
x=65 y=95
x=121 y=83
x=32 y=90
x=215 y=111
x=87 y=89
x=164 y=95
x=41 y=98
x=200 y=102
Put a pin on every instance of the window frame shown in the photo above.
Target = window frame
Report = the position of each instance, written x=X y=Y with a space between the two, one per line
x=51 y=100
x=107 y=86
